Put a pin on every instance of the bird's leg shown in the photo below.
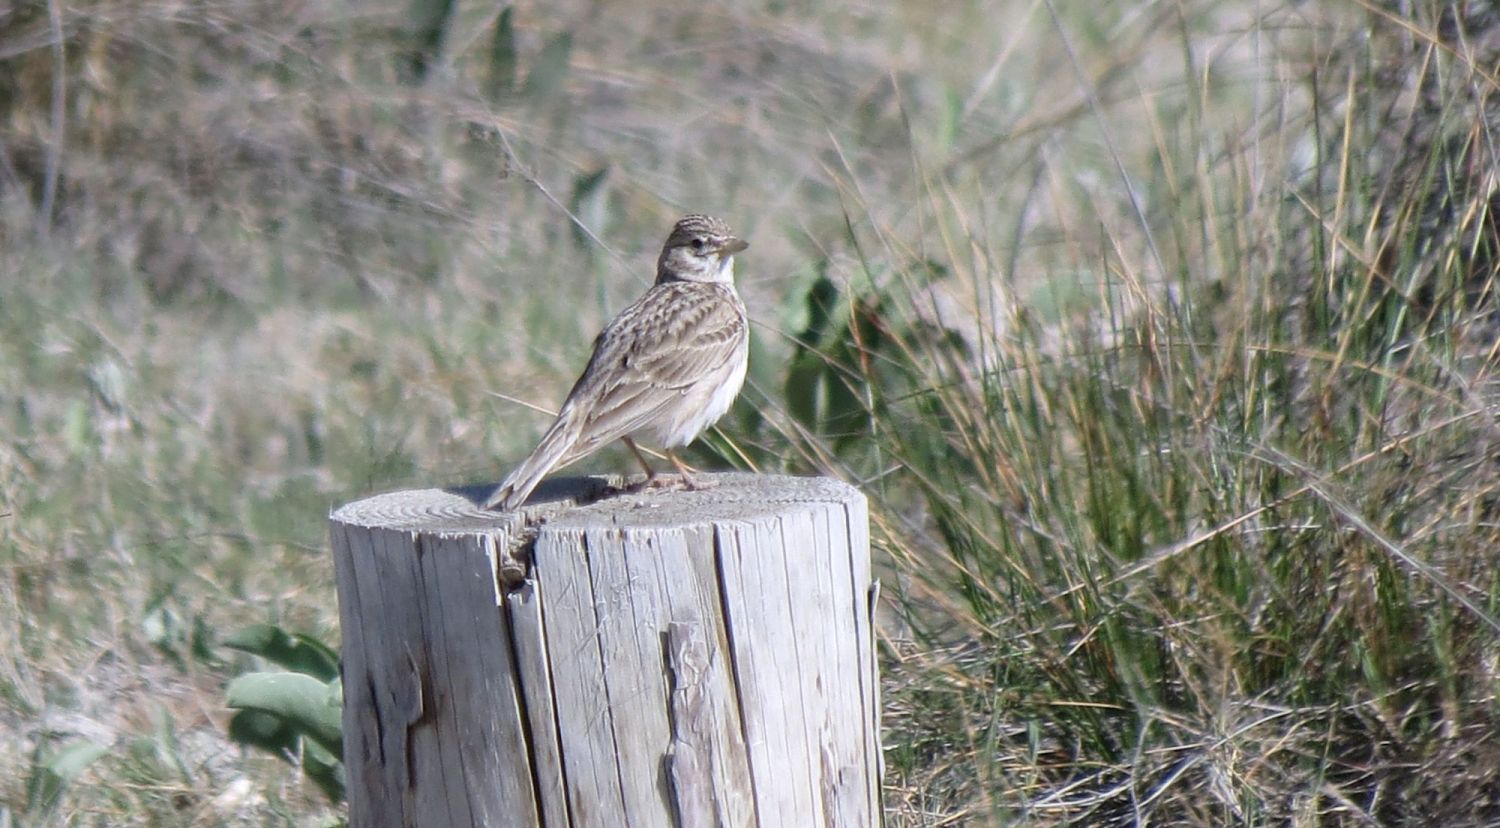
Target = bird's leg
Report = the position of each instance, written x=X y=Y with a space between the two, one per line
x=641 y=457
x=652 y=480
x=682 y=469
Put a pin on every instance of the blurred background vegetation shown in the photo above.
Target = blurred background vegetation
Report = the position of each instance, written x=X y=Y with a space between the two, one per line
x=1161 y=335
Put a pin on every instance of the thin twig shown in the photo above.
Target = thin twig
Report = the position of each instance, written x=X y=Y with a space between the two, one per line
x=541 y=409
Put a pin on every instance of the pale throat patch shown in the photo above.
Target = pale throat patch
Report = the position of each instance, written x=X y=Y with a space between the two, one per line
x=726 y=268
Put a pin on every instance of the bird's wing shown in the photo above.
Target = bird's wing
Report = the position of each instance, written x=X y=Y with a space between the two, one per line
x=654 y=352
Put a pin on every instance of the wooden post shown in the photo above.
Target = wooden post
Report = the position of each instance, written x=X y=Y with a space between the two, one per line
x=693 y=658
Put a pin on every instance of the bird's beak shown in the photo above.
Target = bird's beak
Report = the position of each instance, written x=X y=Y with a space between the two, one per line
x=733 y=246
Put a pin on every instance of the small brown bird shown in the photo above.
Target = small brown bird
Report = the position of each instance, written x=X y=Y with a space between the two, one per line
x=665 y=369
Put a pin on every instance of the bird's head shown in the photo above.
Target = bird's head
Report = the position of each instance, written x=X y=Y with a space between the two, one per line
x=699 y=249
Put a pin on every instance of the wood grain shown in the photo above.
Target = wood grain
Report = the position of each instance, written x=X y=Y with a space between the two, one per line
x=695 y=658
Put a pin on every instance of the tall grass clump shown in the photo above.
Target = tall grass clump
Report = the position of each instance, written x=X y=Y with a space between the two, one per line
x=1205 y=530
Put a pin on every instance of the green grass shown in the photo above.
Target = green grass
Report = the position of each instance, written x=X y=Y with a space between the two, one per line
x=1162 y=338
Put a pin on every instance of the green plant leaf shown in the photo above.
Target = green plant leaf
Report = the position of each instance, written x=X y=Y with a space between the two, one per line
x=588 y=204
x=801 y=388
x=78 y=429
x=201 y=644
x=428 y=23
x=808 y=363
x=296 y=652
x=502 y=75
x=324 y=770
x=267 y=731
x=51 y=773
x=847 y=419
x=551 y=67
x=311 y=706
x=166 y=629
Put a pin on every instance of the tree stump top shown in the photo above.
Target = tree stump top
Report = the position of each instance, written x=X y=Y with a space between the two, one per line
x=607 y=657
x=600 y=501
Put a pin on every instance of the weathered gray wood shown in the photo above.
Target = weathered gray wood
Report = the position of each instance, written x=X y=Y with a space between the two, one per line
x=694 y=658
x=524 y=612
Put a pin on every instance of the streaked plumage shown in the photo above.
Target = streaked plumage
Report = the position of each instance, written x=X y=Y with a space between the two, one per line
x=665 y=369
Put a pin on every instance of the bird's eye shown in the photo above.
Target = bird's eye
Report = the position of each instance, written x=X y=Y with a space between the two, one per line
x=698 y=242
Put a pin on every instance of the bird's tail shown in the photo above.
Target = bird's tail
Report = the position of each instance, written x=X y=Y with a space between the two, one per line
x=553 y=447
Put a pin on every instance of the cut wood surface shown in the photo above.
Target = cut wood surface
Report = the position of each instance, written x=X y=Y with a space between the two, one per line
x=650 y=658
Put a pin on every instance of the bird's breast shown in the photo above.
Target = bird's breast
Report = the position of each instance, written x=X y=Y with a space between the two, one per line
x=714 y=397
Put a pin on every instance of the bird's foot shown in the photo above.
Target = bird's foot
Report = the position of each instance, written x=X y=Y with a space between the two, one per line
x=671 y=483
